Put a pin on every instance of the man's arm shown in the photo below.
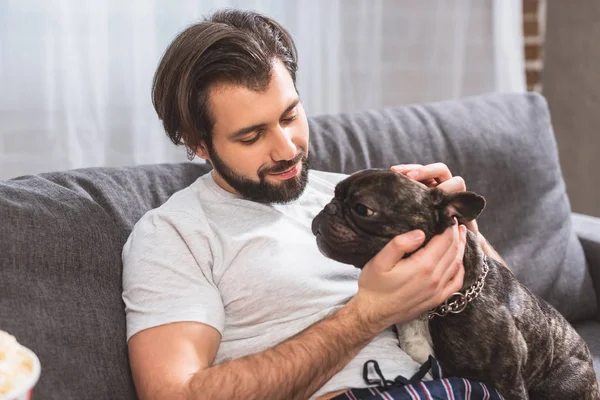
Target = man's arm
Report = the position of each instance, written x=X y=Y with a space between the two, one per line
x=174 y=361
x=163 y=358
x=489 y=250
x=294 y=369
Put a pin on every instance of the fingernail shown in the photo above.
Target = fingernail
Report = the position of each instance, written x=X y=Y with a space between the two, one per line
x=399 y=167
x=413 y=174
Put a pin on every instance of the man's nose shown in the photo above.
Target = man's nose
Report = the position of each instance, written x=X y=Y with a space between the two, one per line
x=284 y=148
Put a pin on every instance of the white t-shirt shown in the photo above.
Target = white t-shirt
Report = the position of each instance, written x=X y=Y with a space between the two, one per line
x=252 y=271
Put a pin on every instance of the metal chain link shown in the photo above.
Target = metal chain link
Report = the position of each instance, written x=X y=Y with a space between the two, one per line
x=461 y=299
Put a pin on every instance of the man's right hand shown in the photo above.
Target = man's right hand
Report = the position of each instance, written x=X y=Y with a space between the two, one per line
x=393 y=289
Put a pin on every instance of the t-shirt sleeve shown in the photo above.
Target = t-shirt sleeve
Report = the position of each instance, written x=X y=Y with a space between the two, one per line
x=167 y=273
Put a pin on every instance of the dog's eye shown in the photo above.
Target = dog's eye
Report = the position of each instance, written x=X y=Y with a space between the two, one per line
x=362 y=210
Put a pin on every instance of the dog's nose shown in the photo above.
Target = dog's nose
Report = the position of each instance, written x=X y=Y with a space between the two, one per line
x=331 y=209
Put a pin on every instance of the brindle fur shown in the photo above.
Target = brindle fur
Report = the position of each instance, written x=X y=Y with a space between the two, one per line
x=507 y=336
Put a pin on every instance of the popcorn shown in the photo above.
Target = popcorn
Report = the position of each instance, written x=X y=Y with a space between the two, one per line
x=16 y=365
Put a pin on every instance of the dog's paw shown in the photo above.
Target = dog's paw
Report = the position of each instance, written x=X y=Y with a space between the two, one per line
x=419 y=354
x=414 y=338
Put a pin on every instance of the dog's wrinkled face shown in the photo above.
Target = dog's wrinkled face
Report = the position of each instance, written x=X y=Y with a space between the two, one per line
x=372 y=206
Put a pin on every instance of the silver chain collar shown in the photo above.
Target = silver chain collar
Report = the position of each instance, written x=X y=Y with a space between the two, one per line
x=461 y=299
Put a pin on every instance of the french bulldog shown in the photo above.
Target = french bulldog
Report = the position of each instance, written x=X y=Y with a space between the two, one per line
x=494 y=330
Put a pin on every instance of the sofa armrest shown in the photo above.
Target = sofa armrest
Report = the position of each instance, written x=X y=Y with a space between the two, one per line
x=587 y=229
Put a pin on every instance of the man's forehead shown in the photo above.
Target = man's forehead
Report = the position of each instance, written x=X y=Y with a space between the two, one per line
x=235 y=107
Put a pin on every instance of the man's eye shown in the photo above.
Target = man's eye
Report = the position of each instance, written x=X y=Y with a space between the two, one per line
x=289 y=120
x=362 y=210
x=251 y=140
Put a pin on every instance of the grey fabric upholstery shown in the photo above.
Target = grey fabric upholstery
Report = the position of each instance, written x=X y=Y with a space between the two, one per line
x=61 y=233
x=61 y=236
x=587 y=229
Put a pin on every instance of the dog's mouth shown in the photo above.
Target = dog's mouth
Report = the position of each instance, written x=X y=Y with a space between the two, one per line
x=346 y=249
x=317 y=230
x=332 y=251
x=325 y=246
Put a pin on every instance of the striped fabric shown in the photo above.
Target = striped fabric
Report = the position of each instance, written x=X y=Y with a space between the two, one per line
x=415 y=388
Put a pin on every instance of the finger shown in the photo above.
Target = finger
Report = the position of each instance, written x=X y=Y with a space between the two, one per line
x=453 y=258
x=452 y=185
x=430 y=183
x=396 y=248
x=440 y=274
x=405 y=169
x=437 y=247
x=402 y=168
x=437 y=171
x=455 y=284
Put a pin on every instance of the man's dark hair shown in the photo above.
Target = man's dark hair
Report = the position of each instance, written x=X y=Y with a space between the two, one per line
x=230 y=47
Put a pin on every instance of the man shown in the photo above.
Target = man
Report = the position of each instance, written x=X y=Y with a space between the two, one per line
x=226 y=293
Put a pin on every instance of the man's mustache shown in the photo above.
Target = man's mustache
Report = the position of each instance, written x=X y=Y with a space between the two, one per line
x=282 y=166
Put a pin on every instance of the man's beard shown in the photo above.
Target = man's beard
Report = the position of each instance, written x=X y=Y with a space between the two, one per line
x=264 y=191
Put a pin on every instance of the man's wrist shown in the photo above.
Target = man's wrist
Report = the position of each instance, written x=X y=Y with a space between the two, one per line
x=489 y=250
x=358 y=310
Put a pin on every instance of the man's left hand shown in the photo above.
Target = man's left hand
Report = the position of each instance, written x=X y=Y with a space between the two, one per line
x=436 y=175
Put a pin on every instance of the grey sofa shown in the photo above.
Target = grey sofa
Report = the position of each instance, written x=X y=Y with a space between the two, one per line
x=61 y=233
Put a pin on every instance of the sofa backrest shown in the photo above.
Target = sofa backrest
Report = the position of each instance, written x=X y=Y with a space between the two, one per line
x=61 y=233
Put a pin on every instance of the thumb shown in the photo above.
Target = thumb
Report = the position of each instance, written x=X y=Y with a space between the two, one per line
x=396 y=248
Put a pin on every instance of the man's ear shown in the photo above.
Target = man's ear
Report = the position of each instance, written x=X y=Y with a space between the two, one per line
x=202 y=151
x=464 y=206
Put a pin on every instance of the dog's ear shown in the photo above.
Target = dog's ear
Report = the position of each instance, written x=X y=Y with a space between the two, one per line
x=464 y=206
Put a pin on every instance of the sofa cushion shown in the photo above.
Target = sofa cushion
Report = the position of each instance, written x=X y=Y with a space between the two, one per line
x=504 y=147
x=61 y=236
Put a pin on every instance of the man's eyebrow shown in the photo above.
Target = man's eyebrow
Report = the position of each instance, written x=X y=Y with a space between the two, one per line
x=244 y=131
